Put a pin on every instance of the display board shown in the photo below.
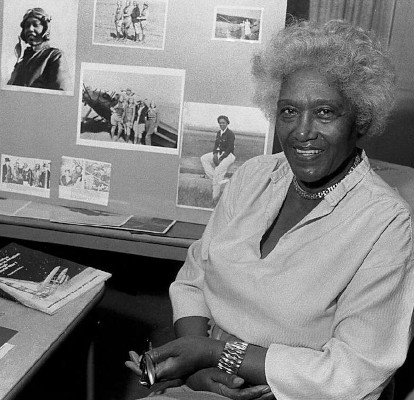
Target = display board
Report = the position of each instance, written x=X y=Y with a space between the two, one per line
x=188 y=62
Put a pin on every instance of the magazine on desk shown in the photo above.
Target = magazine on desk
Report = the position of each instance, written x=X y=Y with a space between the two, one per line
x=42 y=281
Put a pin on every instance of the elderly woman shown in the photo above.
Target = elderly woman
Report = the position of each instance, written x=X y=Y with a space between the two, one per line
x=41 y=66
x=302 y=284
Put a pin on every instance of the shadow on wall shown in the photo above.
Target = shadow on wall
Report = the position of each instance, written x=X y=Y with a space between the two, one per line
x=396 y=145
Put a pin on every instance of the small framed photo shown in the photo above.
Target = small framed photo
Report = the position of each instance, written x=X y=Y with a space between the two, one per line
x=135 y=24
x=39 y=46
x=237 y=24
x=85 y=180
x=130 y=108
x=217 y=139
x=25 y=175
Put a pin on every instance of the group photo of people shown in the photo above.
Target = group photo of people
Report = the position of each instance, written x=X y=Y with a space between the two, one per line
x=39 y=46
x=130 y=107
x=95 y=177
x=217 y=140
x=130 y=23
x=85 y=180
x=131 y=15
x=25 y=175
x=133 y=120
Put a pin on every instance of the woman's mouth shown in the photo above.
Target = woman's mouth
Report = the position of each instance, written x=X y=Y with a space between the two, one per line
x=33 y=37
x=308 y=152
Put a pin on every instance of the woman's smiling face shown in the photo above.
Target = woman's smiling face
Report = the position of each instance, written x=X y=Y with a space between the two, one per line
x=223 y=124
x=315 y=126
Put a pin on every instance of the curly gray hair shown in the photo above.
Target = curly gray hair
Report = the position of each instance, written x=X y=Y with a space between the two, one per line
x=352 y=59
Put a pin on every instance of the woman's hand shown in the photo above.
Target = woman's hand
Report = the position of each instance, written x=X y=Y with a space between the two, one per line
x=216 y=160
x=133 y=363
x=157 y=388
x=184 y=356
x=180 y=358
x=231 y=386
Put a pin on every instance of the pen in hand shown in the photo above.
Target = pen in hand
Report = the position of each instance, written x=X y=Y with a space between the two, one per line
x=147 y=367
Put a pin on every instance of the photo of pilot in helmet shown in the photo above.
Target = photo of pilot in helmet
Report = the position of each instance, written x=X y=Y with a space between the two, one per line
x=38 y=65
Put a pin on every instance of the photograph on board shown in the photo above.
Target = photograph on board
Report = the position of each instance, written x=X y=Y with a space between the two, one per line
x=130 y=108
x=237 y=23
x=136 y=24
x=85 y=180
x=216 y=140
x=39 y=46
x=25 y=175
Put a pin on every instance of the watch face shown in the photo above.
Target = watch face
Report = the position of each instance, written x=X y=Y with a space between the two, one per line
x=148 y=371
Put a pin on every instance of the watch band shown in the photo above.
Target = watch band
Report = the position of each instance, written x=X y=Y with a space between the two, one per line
x=232 y=356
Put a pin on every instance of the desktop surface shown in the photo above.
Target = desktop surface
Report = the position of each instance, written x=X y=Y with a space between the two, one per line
x=39 y=335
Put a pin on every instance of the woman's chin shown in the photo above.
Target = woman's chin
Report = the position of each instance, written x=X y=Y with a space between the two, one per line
x=33 y=41
x=309 y=178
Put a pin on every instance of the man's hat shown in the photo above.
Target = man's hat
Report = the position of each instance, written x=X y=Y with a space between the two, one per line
x=42 y=16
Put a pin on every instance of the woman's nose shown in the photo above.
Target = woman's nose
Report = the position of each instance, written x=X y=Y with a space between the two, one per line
x=305 y=130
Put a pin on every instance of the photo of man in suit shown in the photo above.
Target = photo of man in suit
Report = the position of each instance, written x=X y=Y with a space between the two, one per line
x=217 y=162
x=7 y=174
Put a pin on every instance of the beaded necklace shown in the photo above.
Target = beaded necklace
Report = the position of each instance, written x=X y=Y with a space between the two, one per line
x=320 y=195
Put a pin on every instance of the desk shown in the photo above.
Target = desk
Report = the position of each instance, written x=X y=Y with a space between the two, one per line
x=172 y=246
x=39 y=335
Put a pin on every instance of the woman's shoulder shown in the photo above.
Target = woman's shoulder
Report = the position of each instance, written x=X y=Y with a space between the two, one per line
x=379 y=191
x=53 y=53
x=262 y=165
x=266 y=161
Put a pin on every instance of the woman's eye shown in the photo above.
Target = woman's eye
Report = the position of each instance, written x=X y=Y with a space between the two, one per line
x=288 y=112
x=33 y=25
x=325 y=113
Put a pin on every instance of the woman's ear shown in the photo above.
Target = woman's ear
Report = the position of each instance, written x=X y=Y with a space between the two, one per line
x=362 y=130
x=362 y=137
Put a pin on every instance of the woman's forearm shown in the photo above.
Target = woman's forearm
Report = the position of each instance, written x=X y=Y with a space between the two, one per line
x=252 y=368
x=197 y=326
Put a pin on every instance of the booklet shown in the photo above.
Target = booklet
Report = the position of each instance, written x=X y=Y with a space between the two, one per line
x=146 y=225
x=42 y=281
